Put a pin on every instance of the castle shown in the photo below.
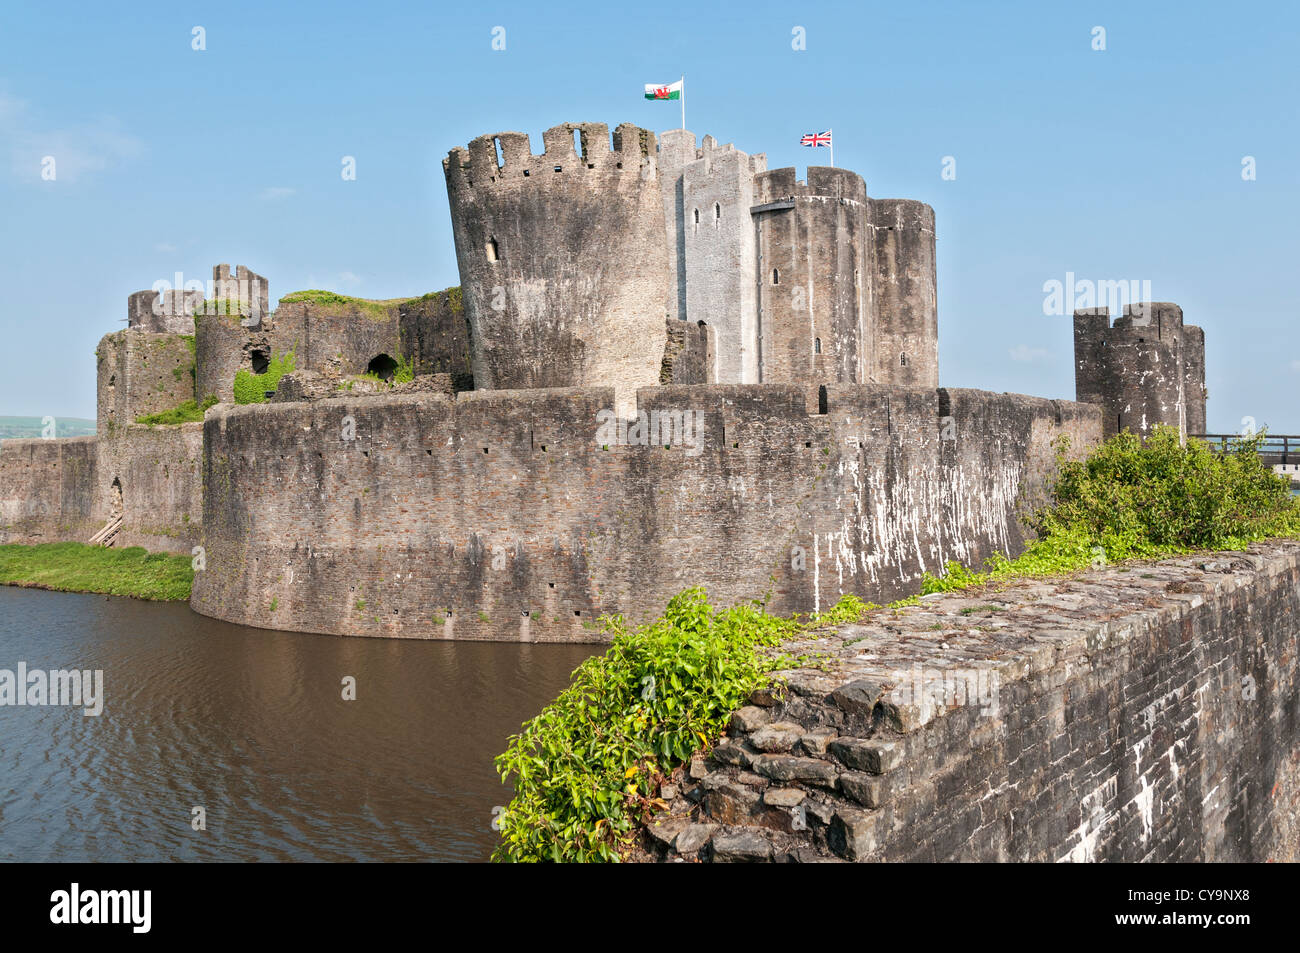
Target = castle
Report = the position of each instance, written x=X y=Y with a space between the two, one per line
x=666 y=365
x=571 y=260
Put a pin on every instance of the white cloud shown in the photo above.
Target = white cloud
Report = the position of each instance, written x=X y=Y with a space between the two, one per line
x=1027 y=354
x=78 y=150
x=277 y=192
x=165 y=247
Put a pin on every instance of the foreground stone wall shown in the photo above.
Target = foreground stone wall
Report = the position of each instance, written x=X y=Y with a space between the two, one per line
x=513 y=515
x=1144 y=713
x=47 y=490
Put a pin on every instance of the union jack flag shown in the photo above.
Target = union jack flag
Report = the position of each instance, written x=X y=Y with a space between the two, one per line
x=816 y=139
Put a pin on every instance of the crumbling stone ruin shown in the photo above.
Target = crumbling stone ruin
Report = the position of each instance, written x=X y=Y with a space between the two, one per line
x=139 y=484
x=666 y=365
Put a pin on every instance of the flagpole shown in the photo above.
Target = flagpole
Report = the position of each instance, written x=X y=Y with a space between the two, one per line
x=832 y=144
x=683 y=100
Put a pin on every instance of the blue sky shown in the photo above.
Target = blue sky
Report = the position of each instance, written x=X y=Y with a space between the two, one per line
x=1117 y=164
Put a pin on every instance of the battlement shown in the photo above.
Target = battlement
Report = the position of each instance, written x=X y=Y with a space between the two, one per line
x=823 y=182
x=1146 y=369
x=677 y=148
x=1161 y=318
x=506 y=158
x=242 y=285
x=902 y=213
x=163 y=312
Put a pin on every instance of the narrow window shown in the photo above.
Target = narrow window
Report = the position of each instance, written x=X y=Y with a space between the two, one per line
x=776 y=276
x=697 y=216
x=902 y=360
x=501 y=159
x=492 y=249
x=717 y=213
x=817 y=345
x=577 y=142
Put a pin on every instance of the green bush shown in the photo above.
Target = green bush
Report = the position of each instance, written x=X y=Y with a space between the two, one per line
x=1130 y=499
x=186 y=412
x=586 y=768
x=252 y=388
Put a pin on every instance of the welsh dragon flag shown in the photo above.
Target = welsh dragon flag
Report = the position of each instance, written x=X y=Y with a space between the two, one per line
x=671 y=91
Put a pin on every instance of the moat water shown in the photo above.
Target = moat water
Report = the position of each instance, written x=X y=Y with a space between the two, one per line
x=251 y=726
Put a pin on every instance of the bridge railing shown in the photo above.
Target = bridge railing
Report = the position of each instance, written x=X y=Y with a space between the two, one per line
x=1274 y=448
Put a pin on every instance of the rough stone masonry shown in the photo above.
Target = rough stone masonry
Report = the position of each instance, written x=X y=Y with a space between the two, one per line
x=1143 y=713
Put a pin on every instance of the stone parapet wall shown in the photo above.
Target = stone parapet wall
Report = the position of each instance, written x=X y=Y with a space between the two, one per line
x=1149 y=712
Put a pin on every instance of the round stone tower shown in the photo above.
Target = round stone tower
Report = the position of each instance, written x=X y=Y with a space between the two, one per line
x=1146 y=370
x=563 y=257
x=814 y=276
x=904 y=288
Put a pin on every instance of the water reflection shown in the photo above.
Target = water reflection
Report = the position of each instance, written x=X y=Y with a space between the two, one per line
x=251 y=725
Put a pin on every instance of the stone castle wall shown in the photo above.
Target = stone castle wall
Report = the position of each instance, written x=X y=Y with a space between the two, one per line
x=859 y=273
x=511 y=516
x=141 y=373
x=1146 y=713
x=157 y=472
x=47 y=490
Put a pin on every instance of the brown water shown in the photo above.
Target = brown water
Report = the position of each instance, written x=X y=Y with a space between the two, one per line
x=250 y=724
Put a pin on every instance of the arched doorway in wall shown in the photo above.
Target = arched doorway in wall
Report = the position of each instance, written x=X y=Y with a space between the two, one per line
x=115 y=498
x=382 y=366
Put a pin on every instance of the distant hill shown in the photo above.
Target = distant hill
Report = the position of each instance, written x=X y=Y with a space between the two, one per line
x=32 y=427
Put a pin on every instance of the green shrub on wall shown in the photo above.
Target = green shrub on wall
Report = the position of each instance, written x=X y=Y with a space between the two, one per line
x=186 y=412
x=252 y=388
x=1129 y=499
x=588 y=766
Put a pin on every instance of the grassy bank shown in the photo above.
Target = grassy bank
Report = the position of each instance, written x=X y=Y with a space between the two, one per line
x=76 y=567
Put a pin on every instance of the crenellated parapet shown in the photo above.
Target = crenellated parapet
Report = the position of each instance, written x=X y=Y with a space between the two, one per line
x=163 y=312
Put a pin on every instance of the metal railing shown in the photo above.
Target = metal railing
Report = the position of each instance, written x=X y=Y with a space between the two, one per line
x=1273 y=448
